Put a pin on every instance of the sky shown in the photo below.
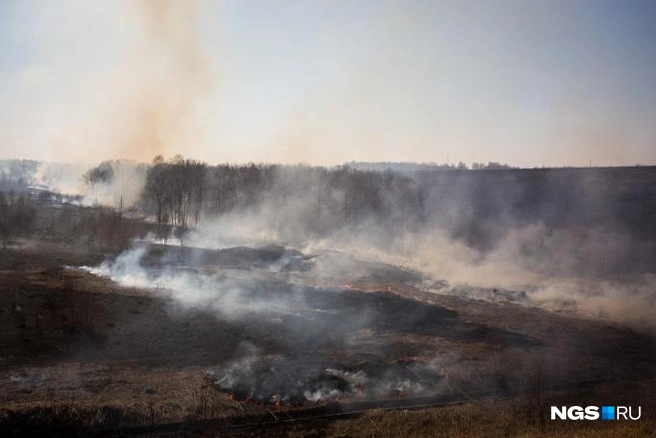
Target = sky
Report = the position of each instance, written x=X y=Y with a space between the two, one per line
x=528 y=83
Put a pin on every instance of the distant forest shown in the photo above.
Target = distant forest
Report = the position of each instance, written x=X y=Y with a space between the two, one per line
x=181 y=191
x=415 y=167
x=477 y=205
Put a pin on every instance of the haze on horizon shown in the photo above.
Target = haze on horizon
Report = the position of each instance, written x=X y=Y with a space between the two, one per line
x=527 y=83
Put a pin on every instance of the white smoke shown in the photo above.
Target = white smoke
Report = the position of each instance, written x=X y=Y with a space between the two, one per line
x=122 y=191
x=227 y=295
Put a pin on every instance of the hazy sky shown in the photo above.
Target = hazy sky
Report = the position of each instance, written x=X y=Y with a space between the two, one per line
x=323 y=82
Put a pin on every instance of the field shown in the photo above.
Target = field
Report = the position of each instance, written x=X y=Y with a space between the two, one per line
x=101 y=336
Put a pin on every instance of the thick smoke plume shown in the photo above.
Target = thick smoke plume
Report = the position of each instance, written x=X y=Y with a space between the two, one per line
x=172 y=72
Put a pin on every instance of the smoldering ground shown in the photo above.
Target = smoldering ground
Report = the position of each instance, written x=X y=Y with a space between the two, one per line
x=276 y=378
x=324 y=341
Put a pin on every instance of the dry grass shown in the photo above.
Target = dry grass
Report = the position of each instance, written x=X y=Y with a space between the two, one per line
x=486 y=418
x=478 y=420
x=521 y=416
x=54 y=416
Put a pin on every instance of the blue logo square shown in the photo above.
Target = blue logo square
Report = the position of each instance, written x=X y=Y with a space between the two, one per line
x=608 y=412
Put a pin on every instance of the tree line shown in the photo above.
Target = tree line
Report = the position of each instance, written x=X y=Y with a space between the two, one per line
x=180 y=191
x=17 y=215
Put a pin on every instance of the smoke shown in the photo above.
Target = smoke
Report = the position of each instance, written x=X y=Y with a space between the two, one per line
x=311 y=305
x=60 y=178
x=171 y=73
x=316 y=323
x=121 y=187
x=121 y=81
x=569 y=250
x=329 y=83
x=531 y=265
x=253 y=375
x=121 y=190
x=223 y=291
x=632 y=303
x=129 y=92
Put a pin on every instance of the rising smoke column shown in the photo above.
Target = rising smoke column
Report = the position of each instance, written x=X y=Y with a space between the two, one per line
x=173 y=72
